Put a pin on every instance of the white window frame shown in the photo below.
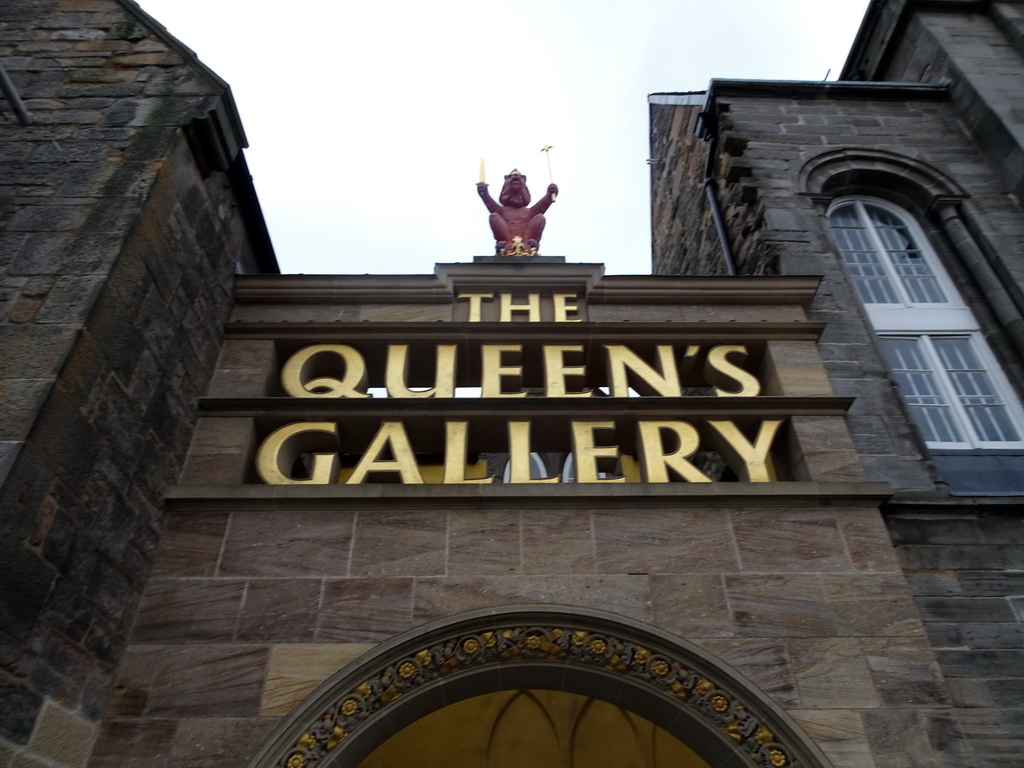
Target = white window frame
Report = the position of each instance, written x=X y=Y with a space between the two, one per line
x=927 y=321
x=951 y=314
x=970 y=438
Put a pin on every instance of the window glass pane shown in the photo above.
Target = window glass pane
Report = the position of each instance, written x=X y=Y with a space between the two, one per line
x=537 y=468
x=880 y=217
x=906 y=258
x=975 y=389
x=853 y=239
x=920 y=389
x=872 y=279
x=844 y=216
x=873 y=283
x=918 y=278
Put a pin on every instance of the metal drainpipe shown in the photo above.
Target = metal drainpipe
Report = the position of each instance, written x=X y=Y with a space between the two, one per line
x=13 y=98
x=716 y=210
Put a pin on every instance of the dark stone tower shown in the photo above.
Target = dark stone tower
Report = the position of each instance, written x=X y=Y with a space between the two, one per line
x=125 y=211
x=924 y=132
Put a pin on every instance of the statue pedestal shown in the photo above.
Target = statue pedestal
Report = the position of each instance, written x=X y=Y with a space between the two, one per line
x=538 y=259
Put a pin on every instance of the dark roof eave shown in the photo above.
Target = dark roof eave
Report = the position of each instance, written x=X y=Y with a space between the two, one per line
x=812 y=89
x=252 y=215
x=818 y=89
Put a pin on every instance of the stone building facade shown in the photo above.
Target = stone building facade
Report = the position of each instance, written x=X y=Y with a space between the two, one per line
x=925 y=124
x=217 y=550
x=125 y=210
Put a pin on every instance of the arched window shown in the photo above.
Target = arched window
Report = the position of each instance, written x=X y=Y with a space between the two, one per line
x=947 y=375
x=885 y=257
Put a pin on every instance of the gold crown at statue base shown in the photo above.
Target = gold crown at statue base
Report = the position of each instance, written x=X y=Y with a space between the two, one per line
x=516 y=248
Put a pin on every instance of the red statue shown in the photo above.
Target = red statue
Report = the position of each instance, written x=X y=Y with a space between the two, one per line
x=517 y=229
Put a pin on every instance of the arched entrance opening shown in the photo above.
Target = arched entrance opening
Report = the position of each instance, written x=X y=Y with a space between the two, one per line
x=564 y=673
x=510 y=729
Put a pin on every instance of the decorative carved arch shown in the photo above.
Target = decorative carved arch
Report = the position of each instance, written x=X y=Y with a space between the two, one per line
x=677 y=686
x=880 y=173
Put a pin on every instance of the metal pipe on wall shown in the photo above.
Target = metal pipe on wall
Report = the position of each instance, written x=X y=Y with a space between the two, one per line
x=13 y=98
x=710 y=189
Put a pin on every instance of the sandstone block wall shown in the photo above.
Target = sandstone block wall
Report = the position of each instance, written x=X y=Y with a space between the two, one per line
x=248 y=611
x=259 y=594
x=683 y=235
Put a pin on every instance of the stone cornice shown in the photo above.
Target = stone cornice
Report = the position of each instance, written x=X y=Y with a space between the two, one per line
x=551 y=408
x=280 y=498
x=298 y=289
x=665 y=289
x=610 y=289
x=487 y=332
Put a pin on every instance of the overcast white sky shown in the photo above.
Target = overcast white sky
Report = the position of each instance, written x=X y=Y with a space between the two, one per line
x=367 y=120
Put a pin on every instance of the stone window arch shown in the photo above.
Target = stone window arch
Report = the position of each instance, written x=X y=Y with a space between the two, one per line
x=902 y=180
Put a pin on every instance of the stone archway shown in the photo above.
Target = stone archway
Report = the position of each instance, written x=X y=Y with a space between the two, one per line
x=910 y=182
x=673 y=684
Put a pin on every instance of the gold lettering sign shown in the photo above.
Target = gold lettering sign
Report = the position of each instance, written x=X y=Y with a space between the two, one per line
x=493 y=371
x=622 y=360
x=475 y=303
x=664 y=447
x=752 y=458
x=519 y=455
x=657 y=450
x=555 y=370
x=281 y=449
x=396 y=372
x=528 y=307
x=296 y=373
x=455 y=449
x=531 y=307
x=586 y=453
x=390 y=438
x=562 y=308
x=655 y=461
x=718 y=361
x=340 y=370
